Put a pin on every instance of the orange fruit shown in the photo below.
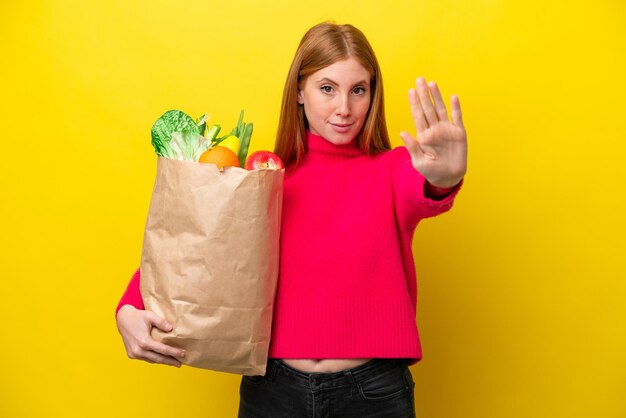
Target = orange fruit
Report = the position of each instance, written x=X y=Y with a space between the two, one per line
x=220 y=156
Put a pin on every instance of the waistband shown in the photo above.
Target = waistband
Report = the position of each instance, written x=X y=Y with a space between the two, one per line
x=277 y=368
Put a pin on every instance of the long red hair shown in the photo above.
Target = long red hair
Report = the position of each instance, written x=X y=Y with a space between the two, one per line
x=323 y=45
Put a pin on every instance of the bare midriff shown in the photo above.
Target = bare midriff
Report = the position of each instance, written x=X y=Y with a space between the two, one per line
x=324 y=365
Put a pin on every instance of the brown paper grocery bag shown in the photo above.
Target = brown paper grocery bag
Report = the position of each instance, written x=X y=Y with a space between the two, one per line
x=209 y=262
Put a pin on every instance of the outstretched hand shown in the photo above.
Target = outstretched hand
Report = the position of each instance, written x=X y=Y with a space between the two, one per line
x=440 y=150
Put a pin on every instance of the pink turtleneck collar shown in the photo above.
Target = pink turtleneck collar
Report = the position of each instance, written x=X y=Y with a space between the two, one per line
x=322 y=151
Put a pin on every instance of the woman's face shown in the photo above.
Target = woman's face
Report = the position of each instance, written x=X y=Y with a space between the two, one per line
x=336 y=100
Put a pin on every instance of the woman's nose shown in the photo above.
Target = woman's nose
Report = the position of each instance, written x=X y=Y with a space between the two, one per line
x=343 y=105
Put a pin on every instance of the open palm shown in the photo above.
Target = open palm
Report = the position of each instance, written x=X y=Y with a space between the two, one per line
x=440 y=150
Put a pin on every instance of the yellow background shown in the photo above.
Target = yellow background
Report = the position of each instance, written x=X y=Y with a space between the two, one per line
x=521 y=286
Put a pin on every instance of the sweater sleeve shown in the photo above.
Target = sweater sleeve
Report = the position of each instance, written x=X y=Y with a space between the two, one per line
x=132 y=295
x=411 y=203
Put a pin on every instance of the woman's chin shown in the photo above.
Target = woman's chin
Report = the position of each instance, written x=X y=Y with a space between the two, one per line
x=340 y=138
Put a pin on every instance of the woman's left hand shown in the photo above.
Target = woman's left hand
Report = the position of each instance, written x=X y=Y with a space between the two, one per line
x=440 y=152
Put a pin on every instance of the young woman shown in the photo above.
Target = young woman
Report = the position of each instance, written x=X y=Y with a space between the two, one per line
x=344 y=331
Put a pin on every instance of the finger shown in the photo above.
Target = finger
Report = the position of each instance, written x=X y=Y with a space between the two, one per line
x=425 y=101
x=147 y=343
x=440 y=106
x=164 y=349
x=157 y=321
x=411 y=145
x=153 y=345
x=455 y=110
x=416 y=111
x=153 y=357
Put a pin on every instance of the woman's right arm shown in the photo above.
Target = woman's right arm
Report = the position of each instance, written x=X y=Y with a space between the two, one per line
x=135 y=324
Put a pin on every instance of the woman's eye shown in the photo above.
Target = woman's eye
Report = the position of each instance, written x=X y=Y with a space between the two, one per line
x=359 y=90
x=327 y=89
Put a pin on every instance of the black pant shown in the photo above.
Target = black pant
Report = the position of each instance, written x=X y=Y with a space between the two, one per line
x=378 y=388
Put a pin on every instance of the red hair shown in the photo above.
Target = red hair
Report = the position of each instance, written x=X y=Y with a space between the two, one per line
x=323 y=45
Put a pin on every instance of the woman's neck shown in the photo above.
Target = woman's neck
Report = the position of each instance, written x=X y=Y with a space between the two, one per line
x=321 y=151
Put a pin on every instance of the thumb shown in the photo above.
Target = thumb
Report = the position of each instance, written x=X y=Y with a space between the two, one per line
x=412 y=145
x=159 y=322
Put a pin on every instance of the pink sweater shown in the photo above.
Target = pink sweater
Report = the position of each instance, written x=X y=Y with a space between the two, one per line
x=347 y=283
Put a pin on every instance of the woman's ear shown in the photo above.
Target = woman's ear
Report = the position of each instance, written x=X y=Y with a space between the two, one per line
x=300 y=99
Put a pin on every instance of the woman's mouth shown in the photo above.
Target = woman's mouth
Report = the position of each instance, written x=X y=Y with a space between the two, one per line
x=341 y=127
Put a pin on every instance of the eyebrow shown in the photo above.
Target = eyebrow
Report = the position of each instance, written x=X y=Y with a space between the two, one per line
x=335 y=83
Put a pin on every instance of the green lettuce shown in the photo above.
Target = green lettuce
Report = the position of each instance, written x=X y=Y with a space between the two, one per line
x=176 y=135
